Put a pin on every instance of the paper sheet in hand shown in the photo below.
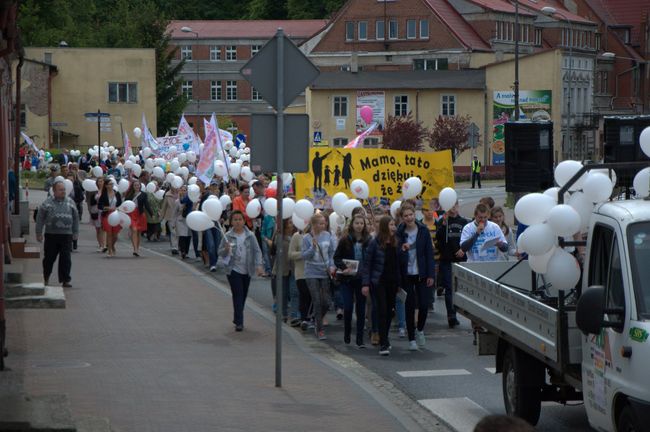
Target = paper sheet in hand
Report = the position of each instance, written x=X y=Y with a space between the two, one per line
x=353 y=265
x=490 y=243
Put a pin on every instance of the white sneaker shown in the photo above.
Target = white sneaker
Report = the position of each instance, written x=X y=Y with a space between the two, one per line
x=419 y=337
x=413 y=346
x=402 y=333
x=213 y=269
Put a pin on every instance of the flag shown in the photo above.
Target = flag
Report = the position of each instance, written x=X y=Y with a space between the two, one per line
x=29 y=141
x=225 y=135
x=362 y=136
x=205 y=167
x=189 y=140
x=127 y=145
x=148 y=140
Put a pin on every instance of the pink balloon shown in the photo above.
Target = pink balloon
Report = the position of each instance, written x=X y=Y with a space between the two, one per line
x=366 y=114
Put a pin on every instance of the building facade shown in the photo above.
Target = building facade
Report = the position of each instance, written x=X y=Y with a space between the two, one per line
x=64 y=88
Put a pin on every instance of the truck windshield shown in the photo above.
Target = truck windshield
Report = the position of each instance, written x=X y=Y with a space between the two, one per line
x=638 y=236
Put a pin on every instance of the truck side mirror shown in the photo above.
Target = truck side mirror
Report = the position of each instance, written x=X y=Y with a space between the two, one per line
x=590 y=310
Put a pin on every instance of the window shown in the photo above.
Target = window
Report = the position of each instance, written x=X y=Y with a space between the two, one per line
x=122 y=92
x=401 y=105
x=349 y=31
x=598 y=36
x=392 y=29
x=47 y=57
x=424 y=29
x=215 y=53
x=430 y=64
x=215 y=90
x=186 y=89
x=339 y=142
x=538 y=37
x=255 y=95
x=255 y=49
x=23 y=116
x=231 y=53
x=363 y=30
x=411 y=29
x=626 y=135
x=340 y=106
x=638 y=242
x=231 y=90
x=371 y=142
x=448 y=103
x=380 y=30
x=186 y=52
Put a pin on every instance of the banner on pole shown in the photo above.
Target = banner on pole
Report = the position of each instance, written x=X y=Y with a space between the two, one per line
x=205 y=167
x=332 y=170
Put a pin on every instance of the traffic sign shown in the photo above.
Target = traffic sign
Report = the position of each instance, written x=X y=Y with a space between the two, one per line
x=318 y=136
x=98 y=119
x=261 y=72
x=240 y=138
x=296 y=145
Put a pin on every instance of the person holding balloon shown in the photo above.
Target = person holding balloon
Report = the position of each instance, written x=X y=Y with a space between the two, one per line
x=138 y=215
x=108 y=202
x=242 y=258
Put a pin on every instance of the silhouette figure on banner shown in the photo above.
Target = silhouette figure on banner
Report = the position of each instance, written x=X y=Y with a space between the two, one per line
x=317 y=169
x=346 y=174
x=337 y=175
x=328 y=173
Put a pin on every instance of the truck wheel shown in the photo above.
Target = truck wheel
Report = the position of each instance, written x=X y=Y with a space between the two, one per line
x=522 y=377
x=628 y=421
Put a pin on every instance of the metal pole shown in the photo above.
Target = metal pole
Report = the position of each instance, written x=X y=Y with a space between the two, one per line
x=516 y=60
x=280 y=192
x=17 y=137
x=99 y=135
x=198 y=99
x=570 y=87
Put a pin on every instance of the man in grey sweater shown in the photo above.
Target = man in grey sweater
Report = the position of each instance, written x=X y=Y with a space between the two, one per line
x=58 y=216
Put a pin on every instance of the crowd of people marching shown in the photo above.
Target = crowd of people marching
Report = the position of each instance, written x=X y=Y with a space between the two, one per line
x=378 y=267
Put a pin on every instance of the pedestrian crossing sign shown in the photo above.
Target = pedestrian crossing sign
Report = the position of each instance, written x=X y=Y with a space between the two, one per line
x=318 y=136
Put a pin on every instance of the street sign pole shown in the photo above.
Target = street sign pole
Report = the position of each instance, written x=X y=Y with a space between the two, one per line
x=280 y=220
x=99 y=132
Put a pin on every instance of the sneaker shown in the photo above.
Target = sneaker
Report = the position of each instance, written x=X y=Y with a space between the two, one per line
x=339 y=314
x=239 y=328
x=453 y=322
x=304 y=325
x=66 y=285
x=419 y=337
x=374 y=338
x=384 y=351
x=213 y=269
x=440 y=292
x=413 y=346
x=346 y=339
x=295 y=322
x=321 y=335
x=46 y=281
x=311 y=325
x=402 y=333
x=174 y=251
x=361 y=345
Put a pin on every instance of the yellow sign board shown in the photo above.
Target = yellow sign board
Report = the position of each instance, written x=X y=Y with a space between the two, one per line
x=332 y=170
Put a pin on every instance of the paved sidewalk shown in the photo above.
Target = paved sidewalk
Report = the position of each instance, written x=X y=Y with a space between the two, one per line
x=148 y=344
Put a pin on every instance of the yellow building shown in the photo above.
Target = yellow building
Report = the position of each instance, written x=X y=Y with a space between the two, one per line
x=64 y=88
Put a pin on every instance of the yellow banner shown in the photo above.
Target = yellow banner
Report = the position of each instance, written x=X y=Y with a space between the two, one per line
x=332 y=170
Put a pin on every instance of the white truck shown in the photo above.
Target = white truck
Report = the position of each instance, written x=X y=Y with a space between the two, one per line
x=589 y=344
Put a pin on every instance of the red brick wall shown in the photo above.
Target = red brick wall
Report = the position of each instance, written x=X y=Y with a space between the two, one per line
x=243 y=90
x=243 y=52
x=371 y=11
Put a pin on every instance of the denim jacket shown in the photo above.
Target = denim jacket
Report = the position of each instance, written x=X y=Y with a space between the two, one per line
x=254 y=254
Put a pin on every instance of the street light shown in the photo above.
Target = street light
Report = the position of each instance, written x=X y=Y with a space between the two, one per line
x=186 y=29
x=550 y=11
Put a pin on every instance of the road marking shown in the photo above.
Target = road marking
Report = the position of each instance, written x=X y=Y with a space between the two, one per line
x=462 y=414
x=491 y=370
x=433 y=373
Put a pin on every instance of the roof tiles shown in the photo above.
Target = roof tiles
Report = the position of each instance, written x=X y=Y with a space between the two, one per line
x=457 y=25
x=248 y=29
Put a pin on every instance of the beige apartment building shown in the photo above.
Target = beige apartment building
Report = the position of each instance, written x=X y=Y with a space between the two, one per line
x=63 y=88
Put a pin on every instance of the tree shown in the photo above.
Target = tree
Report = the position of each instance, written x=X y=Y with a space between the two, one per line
x=267 y=9
x=404 y=133
x=450 y=133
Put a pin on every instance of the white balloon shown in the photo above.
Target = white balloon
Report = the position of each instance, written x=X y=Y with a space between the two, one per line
x=610 y=174
x=644 y=140
x=127 y=206
x=349 y=206
x=553 y=193
x=114 y=218
x=411 y=187
x=184 y=172
x=158 y=173
x=537 y=239
x=539 y=263
x=192 y=180
x=597 y=187
x=287 y=178
x=584 y=207
x=564 y=220
x=159 y=194
x=227 y=145
x=447 y=198
x=359 y=189
x=111 y=148
x=105 y=144
x=123 y=185
x=97 y=171
x=89 y=185
x=563 y=271
x=288 y=206
x=338 y=200
x=213 y=208
x=146 y=152
x=220 y=168
x=253 y=208
x=125 y=220
x=298 y=222
x=233 y=152
x=151 y=187
x=68 y=186
x=273 y=185
x=304 y=209
x=336 y=221
x=235 y=170
x=641 y=183
x=191 y=157
x=533 y=208
x=199 y=221
x=177 y=182
x=271 y=206
x=246 y=173
x=137 y=170
x=182 y=158
x=169 y=178
x=137 y=132
x=149 y=164
x=160 y=162
x=174 y=165
x=394 y=207
x=565 y=170
x=213 y=197
x=193 y=192
x=128 y=164
x=225 y=200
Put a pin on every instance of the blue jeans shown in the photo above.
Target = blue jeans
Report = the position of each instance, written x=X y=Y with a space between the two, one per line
x=351 y=293
x=400 y=313
x=266 y=256
x=445 y=281
x=212 y=238
x=294 y=297
x=239 y=288
x=195 y=244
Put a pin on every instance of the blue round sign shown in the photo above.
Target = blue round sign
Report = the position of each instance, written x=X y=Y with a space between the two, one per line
x=239 y=138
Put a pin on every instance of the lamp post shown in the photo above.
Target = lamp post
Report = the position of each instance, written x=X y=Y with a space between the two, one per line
x=186 y=29
x=550 y=11
x=517 y=36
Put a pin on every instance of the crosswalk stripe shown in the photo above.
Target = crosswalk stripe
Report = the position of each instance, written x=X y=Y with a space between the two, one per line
x=491 y=370
x=462 y=414
x=433 y=373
